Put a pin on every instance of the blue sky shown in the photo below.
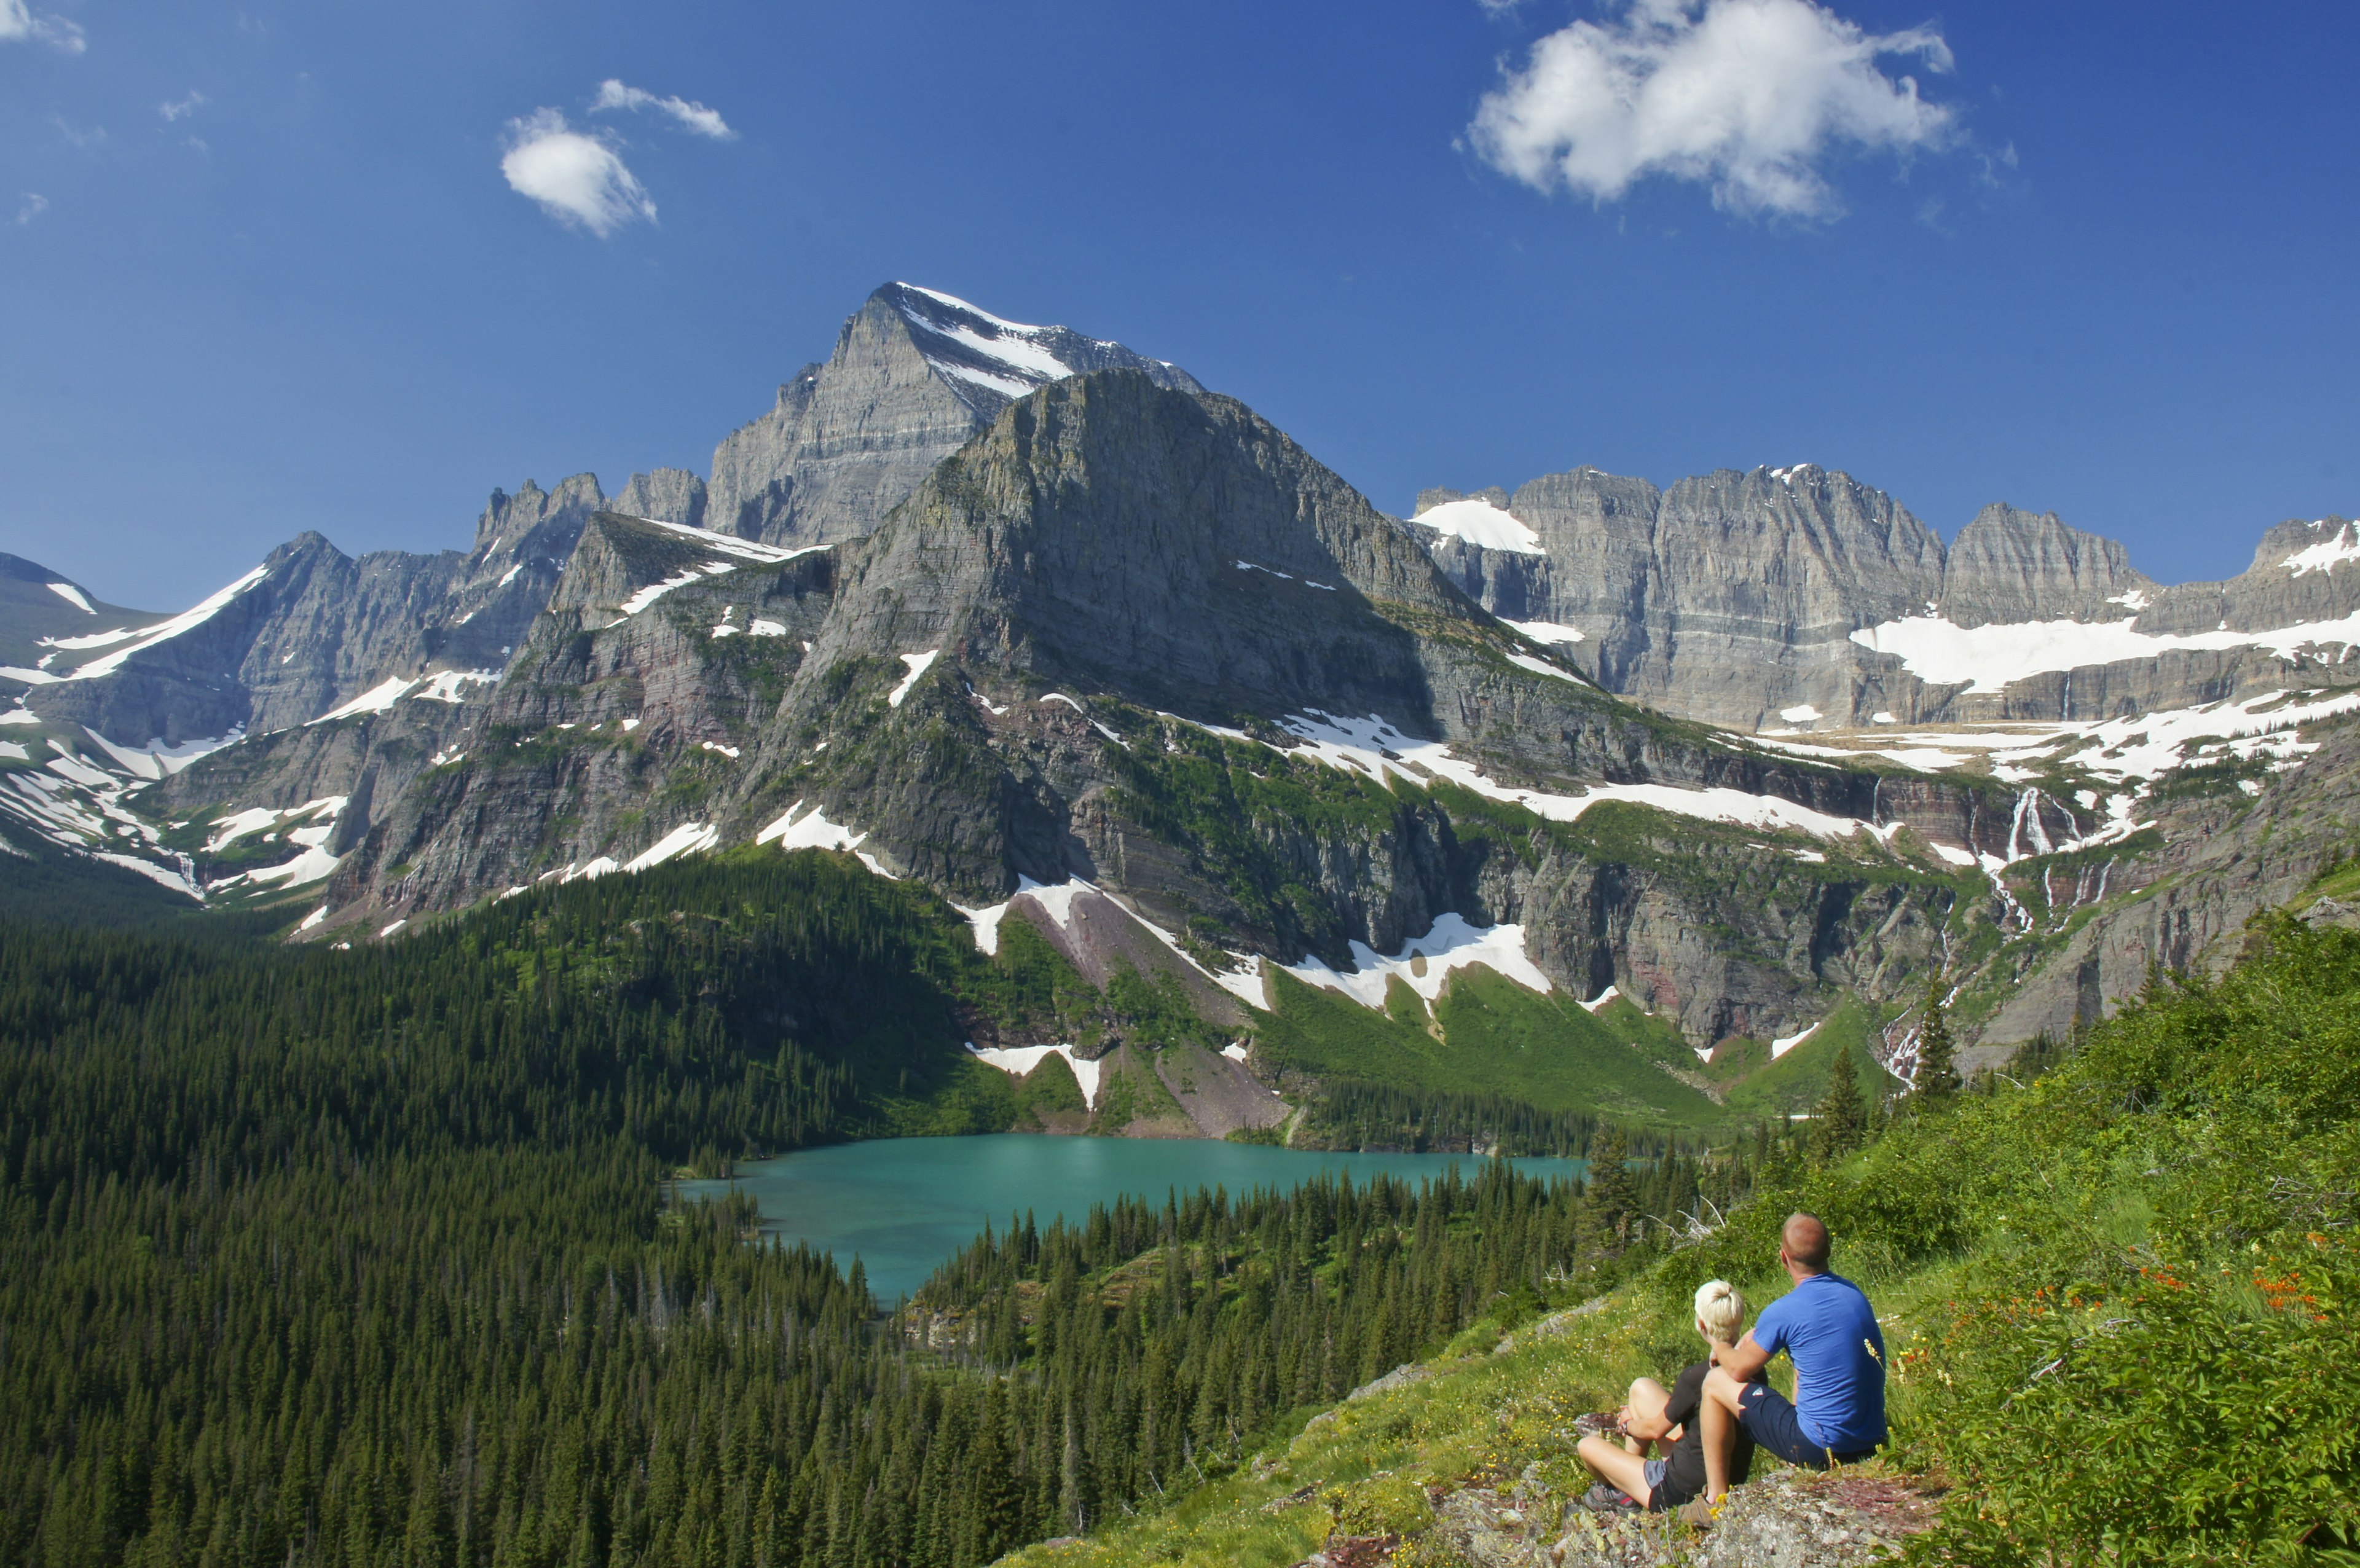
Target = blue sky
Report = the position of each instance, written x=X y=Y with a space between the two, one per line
x=260 y=269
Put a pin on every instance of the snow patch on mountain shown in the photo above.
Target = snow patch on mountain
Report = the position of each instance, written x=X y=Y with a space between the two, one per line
x=72 y=595
x=1989 y=659
x=919 y=664
x=1001 y=355
x=689 y=838
x=1358 y=745
x=1543 y=666
x=1547 y=632
x=1423 y=962
x=92 y=639
x=730 y=544
x=2150 y=745
x=814 y=831
x=2326 y=556
x=375 y=699
x=148 y=637
x=1481 y=523
x=160 y=759
x=1017 y=1060
x=228 y=830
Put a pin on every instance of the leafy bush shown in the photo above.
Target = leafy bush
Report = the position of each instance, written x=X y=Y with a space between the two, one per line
x=2127 y=1290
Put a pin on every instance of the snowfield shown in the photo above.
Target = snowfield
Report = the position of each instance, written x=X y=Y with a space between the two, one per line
x=1481 y=523
x=1992 y=657
x=1423 y=962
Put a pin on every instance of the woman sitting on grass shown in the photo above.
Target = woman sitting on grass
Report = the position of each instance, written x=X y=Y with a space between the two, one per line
x=1665 y=1423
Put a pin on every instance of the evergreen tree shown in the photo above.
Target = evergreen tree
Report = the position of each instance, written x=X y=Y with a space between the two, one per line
x=1937 y=1078
x=1613 y=1198
x=1840 y=1123
x=326 y=1258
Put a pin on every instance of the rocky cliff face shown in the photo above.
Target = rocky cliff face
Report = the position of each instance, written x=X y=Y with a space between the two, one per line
x=45 y=616
x=2183 y=895
x=1799 y=597
x=1000 y=608
x=1137 y=638
x=2011 y=566
x=914 y=375
x=312 y=629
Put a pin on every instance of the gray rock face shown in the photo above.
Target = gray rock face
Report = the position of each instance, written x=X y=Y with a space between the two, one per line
x=983 y=680
x=2184 y=904
x=669 y=494
x=34 y=615
x=1734 y=599
x=2009 y=565
x=313 y=628
x=914 y=375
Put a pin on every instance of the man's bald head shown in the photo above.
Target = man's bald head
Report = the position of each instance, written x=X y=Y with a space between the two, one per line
x=1805 y=1242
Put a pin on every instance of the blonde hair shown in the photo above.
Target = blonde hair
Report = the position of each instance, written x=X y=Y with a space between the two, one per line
x=1721 y=1310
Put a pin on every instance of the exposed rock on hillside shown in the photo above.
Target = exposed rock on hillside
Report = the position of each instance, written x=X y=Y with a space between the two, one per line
x=2220 y=858
x=1800 y=596
x=312 y=629
x=1790 y=1520
x=1117 y=581
x=914 y=375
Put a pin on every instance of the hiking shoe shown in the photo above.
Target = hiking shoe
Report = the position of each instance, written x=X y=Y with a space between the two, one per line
x=1697 y=1515
x=1604 y=1498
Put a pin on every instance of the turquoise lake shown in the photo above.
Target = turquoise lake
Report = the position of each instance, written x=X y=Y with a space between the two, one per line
x=904 y=1205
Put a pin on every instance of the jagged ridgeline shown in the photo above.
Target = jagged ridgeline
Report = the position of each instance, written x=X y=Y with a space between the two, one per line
x=315 y=1255
x=993 y=606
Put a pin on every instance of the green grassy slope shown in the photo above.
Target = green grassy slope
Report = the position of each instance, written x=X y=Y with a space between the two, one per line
x=2119 y=1301
x=1759 y=1086
x=1496 y=1038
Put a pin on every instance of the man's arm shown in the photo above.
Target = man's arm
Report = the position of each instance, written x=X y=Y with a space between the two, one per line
x=1745 y=1359
x=1647 y=1426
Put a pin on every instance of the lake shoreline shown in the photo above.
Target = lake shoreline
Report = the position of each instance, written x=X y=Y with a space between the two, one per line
x=905 y=1205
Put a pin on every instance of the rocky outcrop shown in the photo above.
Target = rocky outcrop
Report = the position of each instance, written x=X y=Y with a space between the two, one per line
x=971 y=696
x=1799 y=597
x=2219 y=858
x=312 y=629
x=914 y=375
x=1791 y=1519
x=2009 y=566
x=668 y=495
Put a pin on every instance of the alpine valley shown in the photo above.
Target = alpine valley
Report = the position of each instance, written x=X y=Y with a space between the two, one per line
x=1587 y=799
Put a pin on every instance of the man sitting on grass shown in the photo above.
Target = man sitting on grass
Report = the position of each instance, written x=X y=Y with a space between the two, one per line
x=1825 y=1325
x=1666 y=1422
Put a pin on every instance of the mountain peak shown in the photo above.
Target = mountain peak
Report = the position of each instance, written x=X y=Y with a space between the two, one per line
x=989 y=359
x=916 y=374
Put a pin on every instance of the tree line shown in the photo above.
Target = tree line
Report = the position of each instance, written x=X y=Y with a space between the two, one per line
x=362 y=1257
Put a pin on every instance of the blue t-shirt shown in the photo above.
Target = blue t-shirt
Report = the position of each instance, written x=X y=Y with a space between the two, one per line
x=1827 y=1327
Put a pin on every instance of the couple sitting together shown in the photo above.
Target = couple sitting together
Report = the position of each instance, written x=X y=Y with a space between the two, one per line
x=1702 y=1433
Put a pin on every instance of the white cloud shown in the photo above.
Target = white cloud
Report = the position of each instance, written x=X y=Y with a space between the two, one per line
x=19 y=25
x=182 y=109
x=34 y=206
x=692 y=116
x=577 y=179
x=1746 y=96
x=83 y=141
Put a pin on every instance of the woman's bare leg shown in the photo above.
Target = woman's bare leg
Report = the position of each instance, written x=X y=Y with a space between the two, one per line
x=1617 y=1467
x=1648 y=1399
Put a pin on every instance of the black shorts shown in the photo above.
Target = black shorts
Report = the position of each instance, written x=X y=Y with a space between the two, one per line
x=1770 y=1420
x=1665 y=1492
